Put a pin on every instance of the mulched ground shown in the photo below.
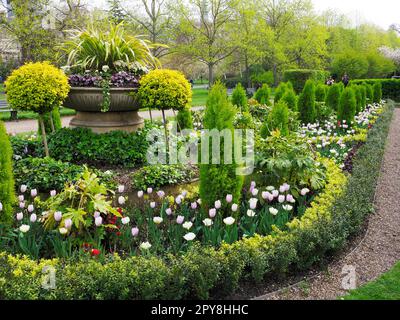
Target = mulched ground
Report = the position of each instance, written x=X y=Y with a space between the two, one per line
x=370 y=255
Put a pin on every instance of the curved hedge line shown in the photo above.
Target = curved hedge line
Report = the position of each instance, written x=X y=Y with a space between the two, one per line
x=338 y=212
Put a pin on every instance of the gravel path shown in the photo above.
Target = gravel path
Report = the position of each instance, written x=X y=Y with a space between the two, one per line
x=14 y=127
x=380 y=249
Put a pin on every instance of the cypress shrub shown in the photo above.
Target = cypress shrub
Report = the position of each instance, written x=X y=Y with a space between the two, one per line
x=184 y=118
x=280 y=92
x=278 y=118
x=357 y=92
x=347 y=106
x=370 y=93
x=363 y=89
x=377 y=92
x=7 y=195
x=320 y=93
x=262 y=95
x=290 y=99
x=333 y=97
x=218 y=180
x=306 y=103
x=239 y=98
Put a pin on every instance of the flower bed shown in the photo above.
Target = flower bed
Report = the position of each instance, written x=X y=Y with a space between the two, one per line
x=338 y=211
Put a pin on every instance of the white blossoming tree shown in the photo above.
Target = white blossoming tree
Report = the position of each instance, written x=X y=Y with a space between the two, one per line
x=392 y=54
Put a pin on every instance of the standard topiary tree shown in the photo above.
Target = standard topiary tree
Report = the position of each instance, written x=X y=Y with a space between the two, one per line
x=333 y=97
x=377 y=92
x=7 y=195
x=320 y=93
x=164 y=89
x=280 y=92
x=262 y=95
x=278 y=119
x=306 y=103
x=347 y=106
x=290 y=99
x=37 y=87
x=239 y=98
x=218 y=180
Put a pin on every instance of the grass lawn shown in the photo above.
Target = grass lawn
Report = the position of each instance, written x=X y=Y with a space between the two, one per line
x=199 y=97
x=387 y=287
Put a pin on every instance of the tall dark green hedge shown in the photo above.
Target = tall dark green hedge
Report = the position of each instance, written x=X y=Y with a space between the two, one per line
x=299 y=77
x=7 y=195
x=390 y=87
x=348 y=106
x=218 y=180
x=306 y=103
x=358 y=94
x=333 y=97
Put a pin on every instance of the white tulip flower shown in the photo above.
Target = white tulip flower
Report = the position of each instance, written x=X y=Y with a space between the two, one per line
x=273 y=211
x=24 y=228
x=189 y=236
x=145 y=245
x=157 y=220
x=208 y=222
x=229 y=221
x=187 y=225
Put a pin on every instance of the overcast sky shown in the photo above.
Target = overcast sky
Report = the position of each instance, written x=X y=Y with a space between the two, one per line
x=381 y=12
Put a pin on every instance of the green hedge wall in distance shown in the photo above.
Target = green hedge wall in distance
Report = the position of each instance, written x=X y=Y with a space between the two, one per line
x=299 y=77
x=390 y=87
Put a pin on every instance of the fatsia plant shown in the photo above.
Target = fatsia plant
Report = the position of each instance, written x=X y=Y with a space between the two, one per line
x=283 y=159
x=77 y=203
x=92 y=49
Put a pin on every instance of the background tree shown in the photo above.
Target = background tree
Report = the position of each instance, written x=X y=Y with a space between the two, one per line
x=203 y=31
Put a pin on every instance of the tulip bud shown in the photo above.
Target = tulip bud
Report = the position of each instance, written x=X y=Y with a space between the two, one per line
x=53 y=193
x=20 y=216
x=57 y=216
x=34 y=193
x=229 y=198
x=135 y=232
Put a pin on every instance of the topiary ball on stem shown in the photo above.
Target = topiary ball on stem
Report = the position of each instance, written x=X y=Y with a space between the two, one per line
x=39 y=87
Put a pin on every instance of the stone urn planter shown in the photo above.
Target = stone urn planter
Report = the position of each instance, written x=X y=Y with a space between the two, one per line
x=122 y=115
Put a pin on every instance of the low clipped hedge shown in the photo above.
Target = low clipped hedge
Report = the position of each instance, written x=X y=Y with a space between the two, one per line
x=299 y=77
x=390 y=87
x=336 y=213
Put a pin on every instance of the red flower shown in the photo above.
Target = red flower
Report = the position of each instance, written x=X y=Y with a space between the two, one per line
x=118 y=234
x=119 y=210
x=95 y=252
x=339 y=123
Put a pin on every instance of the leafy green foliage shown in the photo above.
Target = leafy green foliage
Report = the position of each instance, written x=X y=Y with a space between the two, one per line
x=298 y=78
x=161 y=175
x=278 y=119
x=390 y=88
x=348 y=105
x=320 y=93
x=290 y=99
x=239 y=98
x=306 y=103
x=165 y=89
x=92 y=49
x=46 y=174
x=280 y=92
x=218 y=180
x=283 y=159
x=38 y=87
x=333 y=97
x=262 y=95
x=353 y=63
x=116 y=148
x=7 y=196
x=184 y=118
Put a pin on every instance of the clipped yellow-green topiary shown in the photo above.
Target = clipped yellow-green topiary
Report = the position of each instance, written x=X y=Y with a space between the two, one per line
x=39 y=87
x=165 y=89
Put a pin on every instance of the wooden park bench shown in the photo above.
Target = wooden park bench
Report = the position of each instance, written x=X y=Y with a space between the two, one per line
x=5 y=108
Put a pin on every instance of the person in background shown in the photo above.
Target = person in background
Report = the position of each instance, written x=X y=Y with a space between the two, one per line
x=330 y=81
x=191 y=82
x=345 y=80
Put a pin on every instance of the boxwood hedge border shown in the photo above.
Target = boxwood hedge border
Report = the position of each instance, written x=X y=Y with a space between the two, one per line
x=203 y=271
